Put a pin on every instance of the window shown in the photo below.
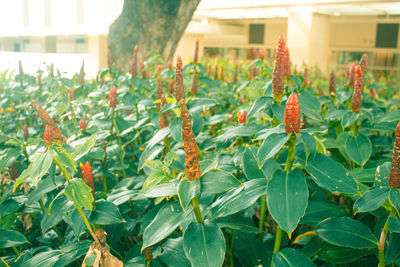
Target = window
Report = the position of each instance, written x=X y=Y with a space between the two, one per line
x=386 y=35
x=256 y=34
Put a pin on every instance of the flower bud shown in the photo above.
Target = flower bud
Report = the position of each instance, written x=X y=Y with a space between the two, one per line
x=133 y=67
x=26 y=132
x=332 y=83
x=278 y=73
x=394 y=176
x=87 y=175
x=179 y=88
x=113 y=96
x=48 y=135
x=195 y=81
x=196 y=53
x=241 y=116
x=356 y=100
x=82 y=124
x=352 y=75
x=71 y=93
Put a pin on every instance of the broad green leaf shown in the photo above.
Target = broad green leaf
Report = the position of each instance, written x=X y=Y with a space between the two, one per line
x=238 y=199
x=41 y=166
x=242 y=130
x=371 y=199
x=187 y=190
x=258 y=105
x=346 y=232
x=391 y=116
x=204 y=245
x=162 y=190
x=341 y=255
x=106 y=213
x=168 y=218
x=154 y=179
x=47 y=258
x=9 y=207
x=253 y=170
x=394 y=224
x=217 y=181
x=149 y=155
x=176 y=131
x=173 y=254
x=317 y=211
x=394 y=198
x=249 y=250
x=238 y=222
x=271 y=146
x=348 y=119
x=74 y=219
x=158 y=137
x=24 y=175
x=66 y=159
x=382 y=174
x=79 y=193
x=10 y=156
x=55 y=215
x=330 y=175
x=287 y=198
x=392 y=251
x=73 y=252
x=359 y=149
x=289 y=257
x=310 y=145
x=11 y=238
x=83 y=147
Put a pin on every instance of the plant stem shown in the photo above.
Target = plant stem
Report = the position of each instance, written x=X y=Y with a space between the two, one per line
x=263 y=213
x=85 y=220
x=16 y=250
x=72 y=114
x=121 y=152
x=62 y=169
x=278 y=239
x=291 y=150
x=197 y=212
x=105 y=183
x=354 y=128
x=382 y=239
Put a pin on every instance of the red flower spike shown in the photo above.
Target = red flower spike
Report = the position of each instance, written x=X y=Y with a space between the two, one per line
x=118 y=65
x=287 y=62
x=163 y=120
x=196 y=53
x=241 y=116
x=356 y=100
x=112 y=96
x=82 y=124
x=235 y=75
x=170 y=65
x=87 y=175
x=394 y=176
x=278 y=73
x=208 y=71
x=71 y=93
x=261 y=54
x=305 y=77
x=133 y=68
x=292 y=114
x=179 y=88
x=171 y=86
x=216 y=72
x=159 y=69
x=255 y=56
x=364 y=62
x=160 y=91
x=352 y=75
x=26 y=132
x=48 y=135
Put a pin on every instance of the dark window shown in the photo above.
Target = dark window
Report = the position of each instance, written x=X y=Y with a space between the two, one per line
x=386 y=35
x=256 y=34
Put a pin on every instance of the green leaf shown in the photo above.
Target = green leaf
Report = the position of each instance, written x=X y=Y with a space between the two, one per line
x=149 y=155
x=187 y=190
x=290 y=257
x=382 y=174
x=47 y=258
x=41 y=166
x=24 y=175
x=158 y=137
x=348 y=119
x=106 y=213
x=176 y=131
x=97 y=153
x=271 y=146
x=83 y=146
x=238 y=199
x=258 y=105
x=310 y=145
x=52 y=217
x=394 y=199
x=79 y=193
x=154 y=179
x=317 y=211
x=253 y=170
x=238 y=222
x=66 y=159
x=162 y=190
x=330 y=175
x=287 y=198
x=173 y=254
x=168 y=218
x=371 y=199
x=74 y=219
x=217 y=181
x=11 y=238
x=204 y=245
x=341 y=255
x=359 y=149
x=242 y=130
x=72 y=252
x=346 y=232
x=9 y=157
x=249 y=250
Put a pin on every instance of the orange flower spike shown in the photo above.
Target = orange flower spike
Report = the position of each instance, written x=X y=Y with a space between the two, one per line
x=133 y=68
x=192 y=167
x=71 y=93
x=170 y=65
x=292 y=114
x=216 y=72
x=26 y=132
x=287 y=62
x=242 y=117
x=171 y=86
x=278 y=73
x=87 y=175
x=82 y=124
x=235 y=75
x=48 y=135
x=112 y=96
x=160 y=89
x=179 y=89
x=305 y=77
x=356 y=100
x=261 y=54
x=196 y=53
x=332 y=83
x=394 y=176
x=195 y=82
x=364 y=62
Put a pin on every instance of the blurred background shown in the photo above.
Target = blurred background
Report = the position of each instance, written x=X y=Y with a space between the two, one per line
x=325 y=33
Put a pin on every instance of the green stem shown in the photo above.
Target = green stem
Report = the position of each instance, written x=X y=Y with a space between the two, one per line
x=62 y=169
x=16 y=250
x=263 y=213
x=382 y=239
x=278 y=239
x=197 y=212
x=85 y=220
x=354 y=128
x=72 y=114
x=121 y=152
x=291 y=150
x=105 y=183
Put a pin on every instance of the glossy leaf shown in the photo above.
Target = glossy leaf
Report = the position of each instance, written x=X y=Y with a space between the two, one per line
x=106 y=213
x=359 y=148
x=271 y=146
x=187 y=190
x=41 y=166
x=287 y=198
x=371 y=199
x=11 y=238
x=83 y=146
x=290 y=257
x=79 y=193
x=217 y=181
x=204 y=244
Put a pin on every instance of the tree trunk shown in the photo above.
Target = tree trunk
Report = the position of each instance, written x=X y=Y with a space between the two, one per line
x=153 y=25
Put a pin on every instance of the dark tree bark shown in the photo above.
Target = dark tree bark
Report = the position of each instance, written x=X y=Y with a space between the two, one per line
x=154 y=25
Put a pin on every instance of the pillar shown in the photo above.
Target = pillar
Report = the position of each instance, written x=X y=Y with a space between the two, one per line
x=97 y=50
x=308 y=39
